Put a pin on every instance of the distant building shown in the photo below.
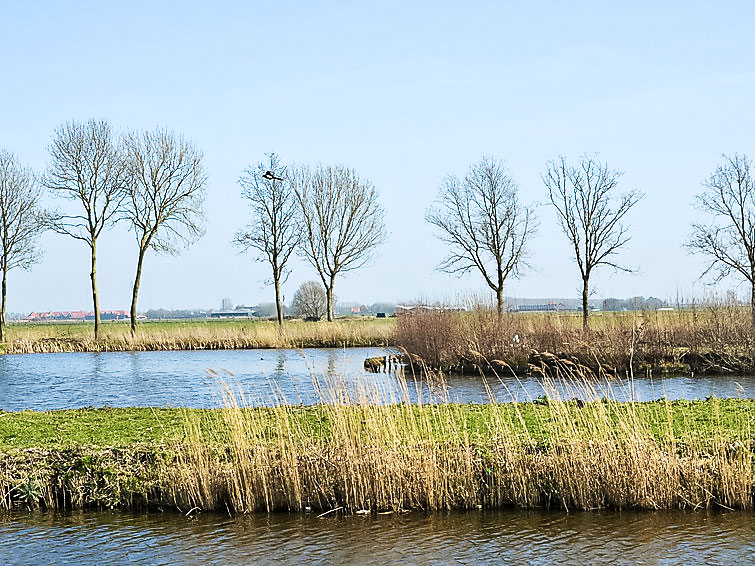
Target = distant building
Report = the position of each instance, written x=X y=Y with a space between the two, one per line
x=549 y=307
x=235 y=313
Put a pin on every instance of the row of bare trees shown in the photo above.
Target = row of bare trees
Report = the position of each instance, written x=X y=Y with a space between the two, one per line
x=488 y=231
x=327 y=213
x=154 y=181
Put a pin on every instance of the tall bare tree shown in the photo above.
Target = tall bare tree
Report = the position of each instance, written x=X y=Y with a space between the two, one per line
x=86 y=167
x=342 y=221
x=275 y=231
x=729 y=240
x=165 y=195
x=590 y=213
x=481 y=220
x=20 y=222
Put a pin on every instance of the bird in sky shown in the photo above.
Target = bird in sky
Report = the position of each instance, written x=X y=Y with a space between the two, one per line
x=270 y=176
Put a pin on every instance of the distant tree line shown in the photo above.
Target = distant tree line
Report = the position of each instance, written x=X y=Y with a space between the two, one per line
x=155 y=182
x=633 y=304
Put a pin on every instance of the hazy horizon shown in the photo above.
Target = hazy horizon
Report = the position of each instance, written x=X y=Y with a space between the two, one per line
x=405 y=95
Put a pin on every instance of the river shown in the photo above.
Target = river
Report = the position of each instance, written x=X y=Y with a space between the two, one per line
x=190 y=379
x=474 y=538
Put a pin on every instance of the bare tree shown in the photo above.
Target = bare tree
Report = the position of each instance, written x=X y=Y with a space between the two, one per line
x=729 y=240
x=20 y=222
x=480 y=218
x=275 y=231
x=86 y=167
x=310 y=301
x=342 y=221
x=583 y=196
x=165 y=195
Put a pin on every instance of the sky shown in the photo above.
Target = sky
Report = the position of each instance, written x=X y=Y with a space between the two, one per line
x=403 y=92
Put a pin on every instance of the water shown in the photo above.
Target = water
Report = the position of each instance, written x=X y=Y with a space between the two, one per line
x=480 y=537
x=176 y=379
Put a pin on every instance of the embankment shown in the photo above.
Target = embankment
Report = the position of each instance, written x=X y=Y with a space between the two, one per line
x=558 y=454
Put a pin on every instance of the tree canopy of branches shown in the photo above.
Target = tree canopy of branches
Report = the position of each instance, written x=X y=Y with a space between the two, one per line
x=728 y=241
x=20 y=222
x=342 y=221
x=87 y=168
x=310 y=301
x=275 y=232
x=165 y=195
x=590 y=213
x=480 y=218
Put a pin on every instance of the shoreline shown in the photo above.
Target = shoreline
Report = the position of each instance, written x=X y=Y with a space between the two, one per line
x=561 y=455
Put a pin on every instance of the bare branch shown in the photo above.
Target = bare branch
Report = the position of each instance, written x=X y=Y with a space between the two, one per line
x=481 y=220
x=165 y=195
x=728 y=241
x=589 y=213
x=275 y=230
x=86 y=167
x=20 y=221
x=342 y=221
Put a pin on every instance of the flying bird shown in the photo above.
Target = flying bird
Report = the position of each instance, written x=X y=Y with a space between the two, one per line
x=270 y=176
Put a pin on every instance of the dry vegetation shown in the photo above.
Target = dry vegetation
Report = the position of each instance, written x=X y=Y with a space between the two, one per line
x=707 y=339
x=376 y=452
x=196 y=335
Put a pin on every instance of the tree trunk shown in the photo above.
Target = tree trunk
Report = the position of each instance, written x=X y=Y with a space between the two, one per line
x=499 y=299
x=135 y=293
x=585 y=308
x=2 y=306
x=329 y=299
x=95 y=299
x=278 y=304
x=752 y=306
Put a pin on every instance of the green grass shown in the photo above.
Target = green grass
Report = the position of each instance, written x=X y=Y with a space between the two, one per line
x=684 y=421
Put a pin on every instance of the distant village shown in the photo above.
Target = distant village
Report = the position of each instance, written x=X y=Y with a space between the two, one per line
x=346 y=308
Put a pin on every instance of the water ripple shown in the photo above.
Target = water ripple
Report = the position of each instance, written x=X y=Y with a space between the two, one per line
x=478 y=538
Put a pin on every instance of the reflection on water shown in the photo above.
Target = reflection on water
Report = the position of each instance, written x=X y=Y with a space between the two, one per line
x=480 y=537
x=119 y=379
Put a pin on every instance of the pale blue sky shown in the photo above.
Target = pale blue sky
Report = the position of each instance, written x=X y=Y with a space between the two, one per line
x=405 y=93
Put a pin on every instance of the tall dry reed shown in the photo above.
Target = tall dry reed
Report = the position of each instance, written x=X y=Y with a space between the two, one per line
x=375 y=450
x=716 y=338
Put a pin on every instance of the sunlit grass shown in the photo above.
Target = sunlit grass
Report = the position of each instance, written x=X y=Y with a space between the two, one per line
x=197 y=334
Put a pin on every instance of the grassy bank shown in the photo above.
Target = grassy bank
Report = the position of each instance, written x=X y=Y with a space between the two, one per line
x=710 y=339
x=563 y=454
x=23 y=338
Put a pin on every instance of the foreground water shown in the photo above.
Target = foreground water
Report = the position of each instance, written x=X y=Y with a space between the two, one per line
x=60 y=381
x=480 y=537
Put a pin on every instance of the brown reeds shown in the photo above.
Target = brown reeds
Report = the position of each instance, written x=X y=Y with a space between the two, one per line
x=197 y=335
x=716 y=338
x=382 y=453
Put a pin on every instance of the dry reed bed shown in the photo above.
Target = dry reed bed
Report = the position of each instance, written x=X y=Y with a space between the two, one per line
x=712 y=339
x=376 y=451
x=199 y=336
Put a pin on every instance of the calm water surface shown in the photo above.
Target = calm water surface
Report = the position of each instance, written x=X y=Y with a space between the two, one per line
x=482 y=537
x=58 y=381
